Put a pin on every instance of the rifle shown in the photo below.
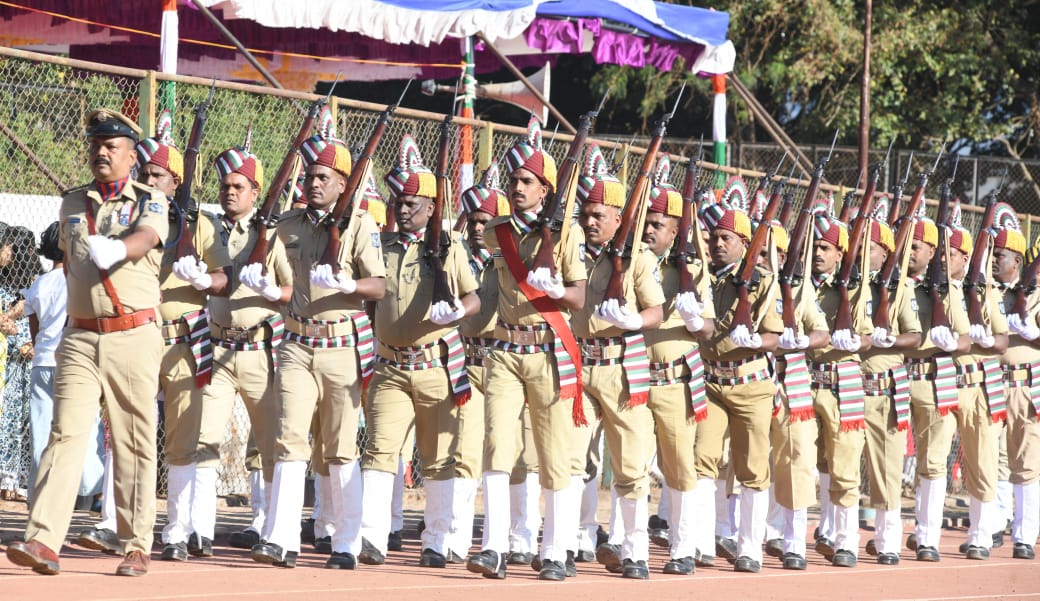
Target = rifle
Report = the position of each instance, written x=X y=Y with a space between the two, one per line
x=788 y=206
x=938 y=279
x=435 y=243
x=975 y=279
x=897 y=192
x=742 y=313
x=338 y=220
x=633 y=208
x=843 y=319
x=566 y=179
x=682 y=254
x=848 y=200
x=886 y=276
x=182 y=198
x=763 y=184
x=792 y=272
x=1026 y=286
x=265 y=218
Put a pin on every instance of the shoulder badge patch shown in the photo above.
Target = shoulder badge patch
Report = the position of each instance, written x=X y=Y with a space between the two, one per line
x=779 y=306
x=913 y=304
x=581 y=252
x=870 y=307
x=375 y=240
x=155 y=207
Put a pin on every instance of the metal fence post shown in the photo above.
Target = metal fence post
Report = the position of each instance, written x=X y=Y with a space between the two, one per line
x=146 y=103
x=485 y=147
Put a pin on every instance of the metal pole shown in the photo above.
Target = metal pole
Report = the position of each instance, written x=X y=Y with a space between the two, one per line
x=242 y=49
x=35 y=160
x=530 y=86
x=864 y=94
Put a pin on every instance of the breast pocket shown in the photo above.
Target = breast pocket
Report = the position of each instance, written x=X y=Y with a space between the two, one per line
x=76 y=239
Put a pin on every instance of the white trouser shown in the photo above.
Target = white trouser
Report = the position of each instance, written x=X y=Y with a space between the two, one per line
x=108 y=497
x=1026 y=525
x=982 y=516
x=634 y=516
x=436 y=515
x=460 y=534
x=826 y=508
x=616 y=534
x=259 y=494
x=496 y=512
x=346 y=496
x=204 y=501
x=180 y=487
x=664 y=505
x=589 y=519
x=681 y=522
x=727 y=514
x=560 y=533
x=774 y=517
x=888 y=531
x=525 y=514
x=397 y=504
x=752 y=528
x=377 y=492
x=846 y=528
x=286 y=507
x=796 y=521
x=930 y=499
x=704 y=529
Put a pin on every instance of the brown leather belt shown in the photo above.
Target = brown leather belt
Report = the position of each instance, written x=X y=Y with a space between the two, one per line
x=107 y=325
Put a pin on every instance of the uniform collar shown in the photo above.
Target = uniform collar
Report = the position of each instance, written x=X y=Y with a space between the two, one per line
x=112 y=190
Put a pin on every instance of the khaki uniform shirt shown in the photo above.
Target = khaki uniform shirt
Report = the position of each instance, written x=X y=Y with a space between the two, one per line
x=992 y=314
x=244 y=307
x=402 y=316
x=136 y=282
x=829 y=297
x=879 y=360
x=763 y=303
x=672 y=340
x=641 y=285
x=305 y=242
x=953 y=302
x=1021 y=350
x=178 y=296
x=513 y=306
x=482 y=324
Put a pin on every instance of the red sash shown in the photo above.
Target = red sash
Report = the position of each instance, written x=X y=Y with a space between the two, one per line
x=549 y=312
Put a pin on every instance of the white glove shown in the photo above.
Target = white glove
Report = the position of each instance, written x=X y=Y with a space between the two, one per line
x=611 y=311
x=846 y=340
x=194 y=272
x=442 y=314
x=105 y=252
x=741 y=336
x=882 y=339
x=1015 y=322
x=690 y=311
x=981 y=336
x=322 y=277
x=789 y=340
x=252 y=277
x=1025 y=329
x=943 y=338
x=542 y=279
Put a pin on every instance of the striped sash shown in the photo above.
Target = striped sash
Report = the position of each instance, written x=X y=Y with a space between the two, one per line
x=1034 y=385
x=850 y=396
x=901 y=396
x=636 y=366
x=201 y=345
x=945 y=384
x=698 y=397
x=994 y=385
x=798 y=385
x=456 y=366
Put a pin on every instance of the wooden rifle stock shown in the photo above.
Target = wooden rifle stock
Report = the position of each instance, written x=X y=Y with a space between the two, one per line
x=975 y=279
x=571 y=166
x=902 y=239
x=336 y=222
x=843 y=319
x=742 y=314
x=435 y=247
x=264 y=218
x=682 y=251
x=618 y=245
x=182 y=198
x=938 y=279
x=1026 y=286
x=790 y=270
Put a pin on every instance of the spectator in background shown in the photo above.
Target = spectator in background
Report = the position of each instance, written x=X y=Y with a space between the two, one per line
x=45 y=303
x=19 y=267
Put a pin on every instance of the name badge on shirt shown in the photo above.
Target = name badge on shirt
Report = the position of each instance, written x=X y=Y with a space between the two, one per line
x=124 y=213
x=913 y=304
x=375 y=240
x=780 y=306
x=581 y=252
x=870 y=307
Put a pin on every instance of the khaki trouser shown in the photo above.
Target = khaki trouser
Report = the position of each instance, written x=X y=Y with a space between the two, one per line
x=511 y=378
x=123 y=369
x=528 y=461
x=469 y=446
x=933 y=433
x=794 y=457
x=676 y=432
x=746 y=410
x=326 y=378
x=885 y=448
x=1023 y=437
x=182 y=404
x=629 y=430
x=844 y=449
x=979 y=442
x=396 y=398
x=246 y=373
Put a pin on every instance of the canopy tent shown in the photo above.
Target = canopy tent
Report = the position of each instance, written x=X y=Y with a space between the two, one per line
x=306 y=41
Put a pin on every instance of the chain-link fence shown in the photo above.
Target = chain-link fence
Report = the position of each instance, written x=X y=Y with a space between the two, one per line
x=43 y=102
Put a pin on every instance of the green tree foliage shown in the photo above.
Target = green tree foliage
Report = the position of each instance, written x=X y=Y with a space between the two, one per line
x=968 y=70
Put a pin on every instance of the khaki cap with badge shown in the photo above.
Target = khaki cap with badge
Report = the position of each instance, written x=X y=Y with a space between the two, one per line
x=106 y=123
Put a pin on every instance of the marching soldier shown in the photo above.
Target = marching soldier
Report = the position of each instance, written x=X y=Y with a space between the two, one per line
x=839 y=408
x=1022 y=374
x=246 y=327
x=614 y=357
x=676 y=397
x=887 y=401
x=324 y=358
x=933 y=389
x=738 y=383
x=793 y=431
x=980 y=391
x=112 y=233
x=420 y=370
x=187 y=359
x=532 y=362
